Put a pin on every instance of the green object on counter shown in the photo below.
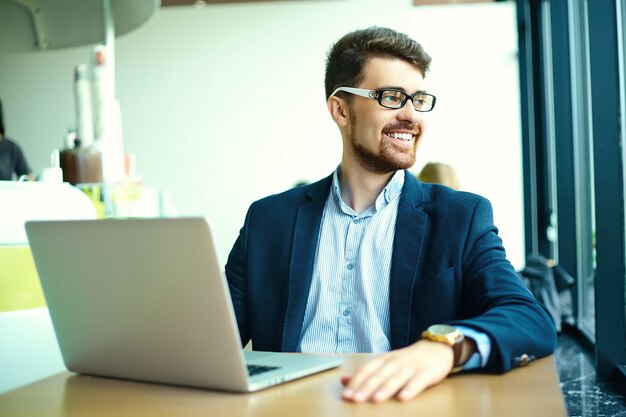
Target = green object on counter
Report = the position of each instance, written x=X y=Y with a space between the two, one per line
x=94 y=192
x=19 y=283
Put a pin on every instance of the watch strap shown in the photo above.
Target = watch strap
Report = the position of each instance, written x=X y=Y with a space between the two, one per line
x=454 y=339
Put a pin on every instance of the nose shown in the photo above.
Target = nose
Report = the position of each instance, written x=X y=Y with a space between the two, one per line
x=408 y=113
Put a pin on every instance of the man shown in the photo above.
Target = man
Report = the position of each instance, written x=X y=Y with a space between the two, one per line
x=370 y=259
x=11 y=157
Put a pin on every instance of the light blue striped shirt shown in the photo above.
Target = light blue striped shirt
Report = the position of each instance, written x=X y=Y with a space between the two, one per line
x=348 y=305
x=347 y=309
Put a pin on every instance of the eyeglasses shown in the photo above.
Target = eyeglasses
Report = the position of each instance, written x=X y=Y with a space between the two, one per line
x=393 y=98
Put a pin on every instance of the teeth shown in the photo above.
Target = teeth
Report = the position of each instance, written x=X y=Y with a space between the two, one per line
x=403 y=136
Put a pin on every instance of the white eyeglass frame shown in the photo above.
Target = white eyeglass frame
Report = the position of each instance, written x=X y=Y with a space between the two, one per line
x=374 y=94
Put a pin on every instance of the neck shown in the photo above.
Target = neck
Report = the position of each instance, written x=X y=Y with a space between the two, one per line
x=360 y=187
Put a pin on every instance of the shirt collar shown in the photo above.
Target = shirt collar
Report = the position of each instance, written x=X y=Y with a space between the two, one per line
x=392 y=190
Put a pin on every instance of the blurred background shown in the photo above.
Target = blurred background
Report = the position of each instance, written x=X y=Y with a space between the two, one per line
x=222 y=102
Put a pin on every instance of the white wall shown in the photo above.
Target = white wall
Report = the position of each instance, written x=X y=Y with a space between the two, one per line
x=476 y=126
x=225 y=104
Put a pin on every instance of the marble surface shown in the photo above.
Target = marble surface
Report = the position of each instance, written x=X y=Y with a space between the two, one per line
x=584 y=396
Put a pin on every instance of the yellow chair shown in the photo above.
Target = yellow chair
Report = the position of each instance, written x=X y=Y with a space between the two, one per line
x=19 y=282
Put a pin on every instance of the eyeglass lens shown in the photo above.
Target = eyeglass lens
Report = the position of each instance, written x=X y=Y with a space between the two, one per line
x=396 y=99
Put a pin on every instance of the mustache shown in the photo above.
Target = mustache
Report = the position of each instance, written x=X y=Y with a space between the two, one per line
x=412 y=127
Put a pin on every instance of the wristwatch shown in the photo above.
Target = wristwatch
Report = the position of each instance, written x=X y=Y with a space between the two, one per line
x=451 y=336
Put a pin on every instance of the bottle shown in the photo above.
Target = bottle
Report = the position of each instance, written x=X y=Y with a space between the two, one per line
x=82 y=102
x=70 y=138
x=107 y=117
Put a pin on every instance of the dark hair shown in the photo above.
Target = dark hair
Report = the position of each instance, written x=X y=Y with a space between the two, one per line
x=347 y=57
x=1 y=120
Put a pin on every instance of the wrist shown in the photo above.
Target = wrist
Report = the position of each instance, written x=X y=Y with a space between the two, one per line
x=452 y=337
x=469 y=348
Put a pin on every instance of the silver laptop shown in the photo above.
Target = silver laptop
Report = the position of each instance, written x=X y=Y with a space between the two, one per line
x=146 y=299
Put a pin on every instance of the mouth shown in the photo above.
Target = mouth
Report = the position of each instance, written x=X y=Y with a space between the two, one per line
x=404 y=140
x=402 y=136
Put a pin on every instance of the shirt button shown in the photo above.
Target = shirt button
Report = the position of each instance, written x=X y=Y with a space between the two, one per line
x=350 y=267
x=346 y=312
x=356 y=221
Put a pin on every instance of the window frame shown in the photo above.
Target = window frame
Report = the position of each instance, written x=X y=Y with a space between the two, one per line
x=553 y=84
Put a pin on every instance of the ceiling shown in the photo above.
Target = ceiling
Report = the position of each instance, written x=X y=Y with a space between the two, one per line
x=424 y=2
x=27 y=25
x=166 y=3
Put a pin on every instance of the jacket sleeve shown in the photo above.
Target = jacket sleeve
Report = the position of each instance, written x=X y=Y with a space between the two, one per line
x=498 y=302
x=236 y=274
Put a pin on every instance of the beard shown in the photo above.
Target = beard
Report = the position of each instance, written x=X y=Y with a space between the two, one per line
x=388 y=158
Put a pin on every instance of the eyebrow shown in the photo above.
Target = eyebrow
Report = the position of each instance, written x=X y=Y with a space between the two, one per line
x=395 y=87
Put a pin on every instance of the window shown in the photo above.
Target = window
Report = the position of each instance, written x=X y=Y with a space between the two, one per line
x=583 y=174
x=573 y=70
x=621 y=40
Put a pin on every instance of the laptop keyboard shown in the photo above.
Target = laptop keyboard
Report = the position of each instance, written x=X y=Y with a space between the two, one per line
x=258 y=369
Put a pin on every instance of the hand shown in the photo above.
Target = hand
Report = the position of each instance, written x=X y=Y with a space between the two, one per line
x=403 y=373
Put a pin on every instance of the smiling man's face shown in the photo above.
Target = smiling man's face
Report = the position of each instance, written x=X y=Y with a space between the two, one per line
x=384 y=140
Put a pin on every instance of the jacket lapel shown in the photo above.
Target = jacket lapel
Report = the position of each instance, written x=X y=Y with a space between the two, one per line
x=407 y=246
x=305 y=237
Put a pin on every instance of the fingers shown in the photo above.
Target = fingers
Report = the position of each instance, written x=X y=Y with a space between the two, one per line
x=359 y=385
x=404 y=386
x=392 y=385
x=403 y=374
x=383 y=373
x=413 y=388
x=345 y=379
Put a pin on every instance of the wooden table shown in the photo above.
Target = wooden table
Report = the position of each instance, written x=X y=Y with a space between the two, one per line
x=532 y=391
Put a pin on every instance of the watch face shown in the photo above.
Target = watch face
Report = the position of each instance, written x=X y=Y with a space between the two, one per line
x=441 y=329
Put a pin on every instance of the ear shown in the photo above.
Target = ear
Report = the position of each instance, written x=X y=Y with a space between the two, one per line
x=339 y=110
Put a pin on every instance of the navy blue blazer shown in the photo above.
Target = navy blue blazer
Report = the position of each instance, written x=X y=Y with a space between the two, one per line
x=448 y=266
